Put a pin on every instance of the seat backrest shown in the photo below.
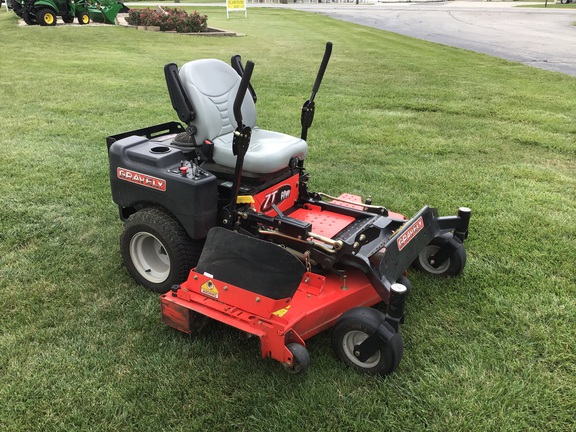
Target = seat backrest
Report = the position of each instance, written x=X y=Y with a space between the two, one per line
x=211 y=86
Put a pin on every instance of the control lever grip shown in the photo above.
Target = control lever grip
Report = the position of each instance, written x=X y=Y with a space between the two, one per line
x=241 y=93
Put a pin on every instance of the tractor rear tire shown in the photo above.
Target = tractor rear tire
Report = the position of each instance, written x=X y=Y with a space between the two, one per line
x=156 y=249
x=83 y=18
x=46 y=17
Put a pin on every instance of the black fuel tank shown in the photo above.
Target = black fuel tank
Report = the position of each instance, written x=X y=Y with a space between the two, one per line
x=147 y=172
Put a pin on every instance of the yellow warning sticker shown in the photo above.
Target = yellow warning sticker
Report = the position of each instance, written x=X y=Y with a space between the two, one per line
x=280 y=313
x=209 y=289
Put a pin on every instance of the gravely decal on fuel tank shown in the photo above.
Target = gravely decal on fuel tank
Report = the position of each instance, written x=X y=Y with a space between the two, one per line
x=410 y=233
x=141 y=179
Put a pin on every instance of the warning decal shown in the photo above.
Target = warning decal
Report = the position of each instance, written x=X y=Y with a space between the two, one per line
x=280 y=313
x=209 y=289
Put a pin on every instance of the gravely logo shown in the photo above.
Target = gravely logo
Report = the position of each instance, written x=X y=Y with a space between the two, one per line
x=141 y=179
x=410 y=233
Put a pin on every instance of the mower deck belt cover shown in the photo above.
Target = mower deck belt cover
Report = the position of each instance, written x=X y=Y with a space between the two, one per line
x=249 y=263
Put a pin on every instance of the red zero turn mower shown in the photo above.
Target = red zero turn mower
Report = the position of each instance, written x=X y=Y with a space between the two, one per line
x=219 y=218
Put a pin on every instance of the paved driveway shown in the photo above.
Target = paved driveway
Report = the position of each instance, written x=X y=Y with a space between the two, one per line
x=544 y=38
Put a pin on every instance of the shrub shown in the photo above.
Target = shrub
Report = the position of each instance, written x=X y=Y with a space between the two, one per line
x=172 y=20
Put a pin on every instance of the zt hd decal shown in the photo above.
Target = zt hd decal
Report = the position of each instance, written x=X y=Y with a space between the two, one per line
x=276 y=197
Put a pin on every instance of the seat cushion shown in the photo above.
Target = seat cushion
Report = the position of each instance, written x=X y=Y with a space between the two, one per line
x=268 y=151
x=211 y=86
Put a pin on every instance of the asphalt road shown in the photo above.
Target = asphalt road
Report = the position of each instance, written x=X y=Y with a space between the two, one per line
x=545 y=38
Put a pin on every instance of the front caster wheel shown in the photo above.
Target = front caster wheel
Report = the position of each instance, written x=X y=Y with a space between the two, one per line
x=452 y=266
x=300 y=358
x=357 y=325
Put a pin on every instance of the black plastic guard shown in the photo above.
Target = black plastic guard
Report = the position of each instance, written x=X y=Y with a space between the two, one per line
x=251 y=264
x=150 y=132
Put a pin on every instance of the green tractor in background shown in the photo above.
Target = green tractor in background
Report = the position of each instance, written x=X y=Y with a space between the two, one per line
x=45 y=12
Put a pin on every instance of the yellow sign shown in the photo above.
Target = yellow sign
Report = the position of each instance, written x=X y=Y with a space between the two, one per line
x=280 y=313
x=235 y=6
x=209 y=289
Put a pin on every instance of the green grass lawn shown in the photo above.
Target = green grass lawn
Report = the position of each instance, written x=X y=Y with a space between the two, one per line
x=408 y=122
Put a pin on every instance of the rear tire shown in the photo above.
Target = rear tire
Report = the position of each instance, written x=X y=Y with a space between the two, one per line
x=156 y=249
x=46 y=17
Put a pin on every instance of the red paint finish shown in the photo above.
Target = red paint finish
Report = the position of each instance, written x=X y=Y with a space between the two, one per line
x=350 y=197
x=177 y=316
x=317 y=304
x=325 y=223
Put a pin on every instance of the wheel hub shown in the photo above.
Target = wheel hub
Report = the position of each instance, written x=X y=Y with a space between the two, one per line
x=350 y=341
x=428 y=263
x=150 y=257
